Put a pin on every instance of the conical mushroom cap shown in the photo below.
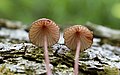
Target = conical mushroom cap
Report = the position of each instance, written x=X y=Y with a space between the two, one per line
x=75 y=33
x=44 y=27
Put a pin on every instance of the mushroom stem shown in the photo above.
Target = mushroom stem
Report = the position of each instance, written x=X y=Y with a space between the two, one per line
x=77 y=58
x=47 y=62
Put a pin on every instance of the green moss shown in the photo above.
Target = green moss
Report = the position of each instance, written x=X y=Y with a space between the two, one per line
x=83 y=67
x=5 y=71
x=83 y=55
x=62 y=70
x=109 y=71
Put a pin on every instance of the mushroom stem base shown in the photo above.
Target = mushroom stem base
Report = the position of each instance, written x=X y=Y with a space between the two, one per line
x=77 y=58
x=47 y=62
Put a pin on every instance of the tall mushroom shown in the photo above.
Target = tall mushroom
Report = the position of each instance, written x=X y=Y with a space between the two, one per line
x=80 y=38
x=43 y=33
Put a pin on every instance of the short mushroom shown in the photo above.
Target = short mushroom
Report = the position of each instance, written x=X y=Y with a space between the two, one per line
x=80 y=38
x=43 y=33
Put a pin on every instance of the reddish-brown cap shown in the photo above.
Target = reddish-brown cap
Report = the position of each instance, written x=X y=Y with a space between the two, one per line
x=75 y=33
x=44 y=27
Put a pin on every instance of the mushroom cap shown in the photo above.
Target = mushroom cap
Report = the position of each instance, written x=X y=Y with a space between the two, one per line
x=78 y=32
x=44 y=27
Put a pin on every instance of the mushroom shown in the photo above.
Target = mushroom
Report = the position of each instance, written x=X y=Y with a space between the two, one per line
x=80 y=38
x=43 y=33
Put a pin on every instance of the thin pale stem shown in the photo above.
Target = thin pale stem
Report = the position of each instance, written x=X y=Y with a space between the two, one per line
x=77 y=58
x=47 y=62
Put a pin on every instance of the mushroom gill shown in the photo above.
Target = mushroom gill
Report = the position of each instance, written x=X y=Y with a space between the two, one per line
x=44 y=27
x=75 y=33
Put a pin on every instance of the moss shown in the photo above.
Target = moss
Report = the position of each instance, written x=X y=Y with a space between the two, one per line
x=84 y=55
x=83 y=67
x=5 y=71
x=109 y=71
x=62 y=70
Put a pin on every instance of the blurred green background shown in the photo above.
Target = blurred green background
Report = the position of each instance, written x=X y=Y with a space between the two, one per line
x=63 y=12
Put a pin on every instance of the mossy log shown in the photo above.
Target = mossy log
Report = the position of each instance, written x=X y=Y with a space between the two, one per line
x=104 y=32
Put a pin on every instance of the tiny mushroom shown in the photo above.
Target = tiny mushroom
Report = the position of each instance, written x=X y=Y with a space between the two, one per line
x=80 y=38
x=43 y=33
